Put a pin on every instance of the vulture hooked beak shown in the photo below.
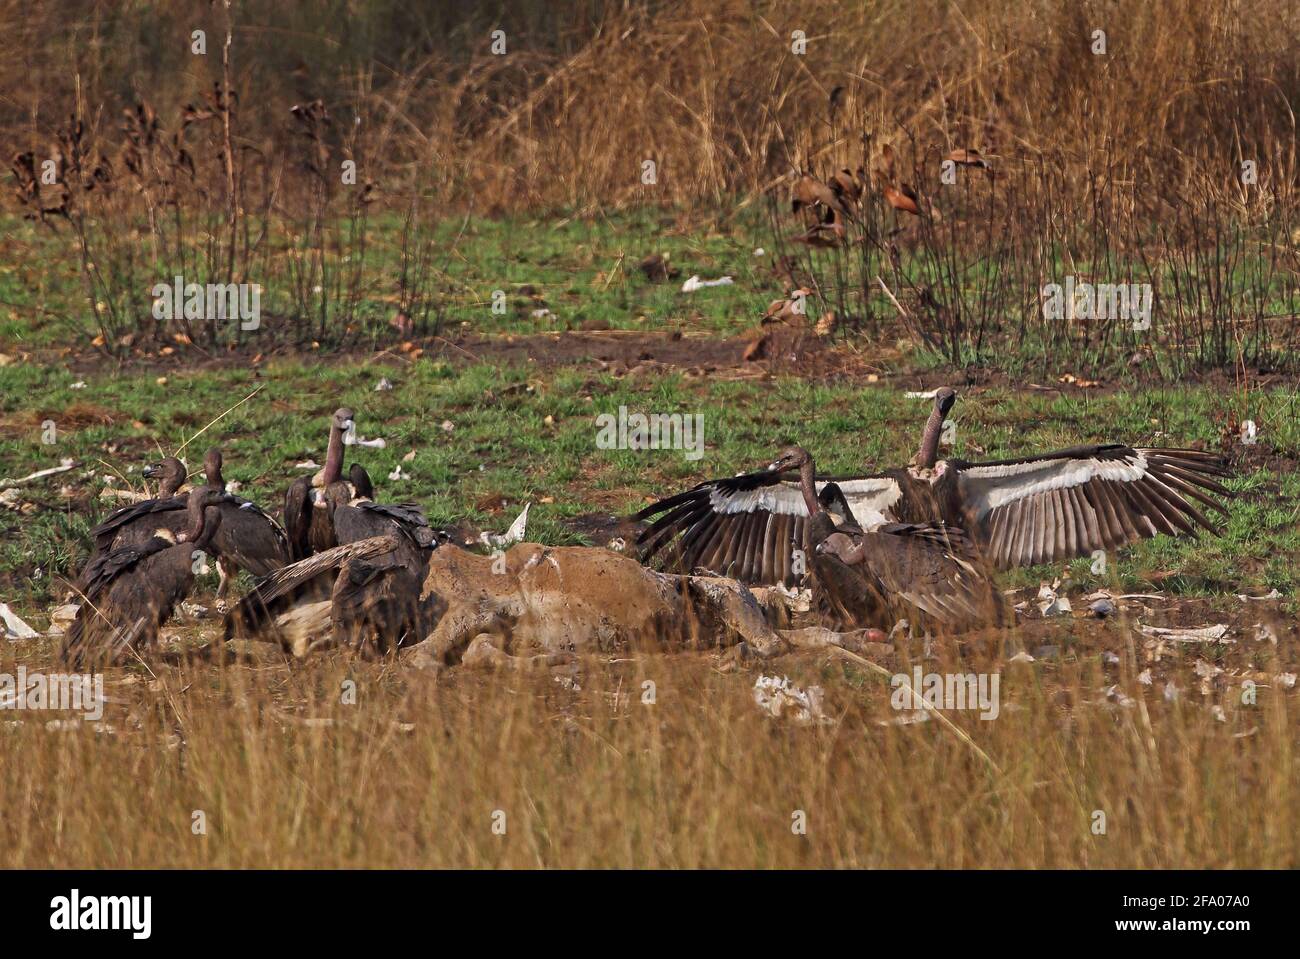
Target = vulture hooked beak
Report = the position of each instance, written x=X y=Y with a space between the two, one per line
x=152 y=470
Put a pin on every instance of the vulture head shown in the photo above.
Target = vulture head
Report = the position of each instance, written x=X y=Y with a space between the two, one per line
x=171 y=473
x=842 y=547
x=343 y=419
x=943 y=400
x=793 y=458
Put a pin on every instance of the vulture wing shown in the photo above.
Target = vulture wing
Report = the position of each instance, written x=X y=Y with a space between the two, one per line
x=748 y=527
x=250 y=538
x=1069 y=503
x=116 y=521
x=283 y=587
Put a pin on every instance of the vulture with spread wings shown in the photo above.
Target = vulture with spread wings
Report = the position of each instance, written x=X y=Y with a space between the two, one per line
x=1015 y=512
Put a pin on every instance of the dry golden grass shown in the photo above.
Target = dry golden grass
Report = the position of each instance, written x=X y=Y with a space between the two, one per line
x=412 y=774
x=710 y=90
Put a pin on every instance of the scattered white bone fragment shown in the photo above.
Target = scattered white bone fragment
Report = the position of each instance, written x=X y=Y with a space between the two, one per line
x=1050 y=604
x=397 y=474
x=1217 y=712
x=15 y=628
x=695 y=283
x=61 y=618
x=307 y=465
x=79 y=385
x=1263 y=632
x=1021 y=657
x=352 y=438
x=921 y=394
x=515 y=534
x=797 y=600
x=1119 y=697
x=1271 y=594
x=1285 y=680
x=541 y=314
x=65 y=464
x=1109 y=658
x=409 y=457
x=1215 y=633
x=1171 y=692
x=1207 y=670
x=1144 y=677
x=779 y=697
x=384 y=385
x=447 y=426
x=760 y=251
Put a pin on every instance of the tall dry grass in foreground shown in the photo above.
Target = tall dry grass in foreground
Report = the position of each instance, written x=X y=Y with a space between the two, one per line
x=413 y=773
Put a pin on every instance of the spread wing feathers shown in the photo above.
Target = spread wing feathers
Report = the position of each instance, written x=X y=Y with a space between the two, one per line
x=748 y=527
x=284 y=586
x=1070 y=503
x=929 y=567
x=107 y=531
x=250 y=538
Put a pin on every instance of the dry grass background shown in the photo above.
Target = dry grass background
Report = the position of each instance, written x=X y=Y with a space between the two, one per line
x=708 y=88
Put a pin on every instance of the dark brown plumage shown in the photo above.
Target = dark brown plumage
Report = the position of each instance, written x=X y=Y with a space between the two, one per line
x=307 y=520
x=247 y=538
x=136 y=523
x=875 y=577
x=358 y=594
x=1015 y=512
x=131 y=590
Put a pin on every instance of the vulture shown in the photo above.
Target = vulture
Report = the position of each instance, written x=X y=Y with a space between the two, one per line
x=136 y=523
x=874 y=577
x=131 y=590
x=248 y=538
x=307 y=519
x=1014 y=512
x=355 y=594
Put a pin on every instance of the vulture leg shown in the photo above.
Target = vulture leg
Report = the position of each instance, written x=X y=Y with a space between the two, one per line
x=226 y=571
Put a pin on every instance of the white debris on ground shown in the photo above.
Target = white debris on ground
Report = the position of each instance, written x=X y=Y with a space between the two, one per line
x=397 y=474
x=307 y=465
x=782 y=699
x=352 y=438
x=61 y=618
x=695 y=283
x=796 y=600
x=65 y=464
x=1271 y=594
x=1214 y=633
x=515 y=534
x=15 y=628
x=1050 y=603
x=384 y=385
